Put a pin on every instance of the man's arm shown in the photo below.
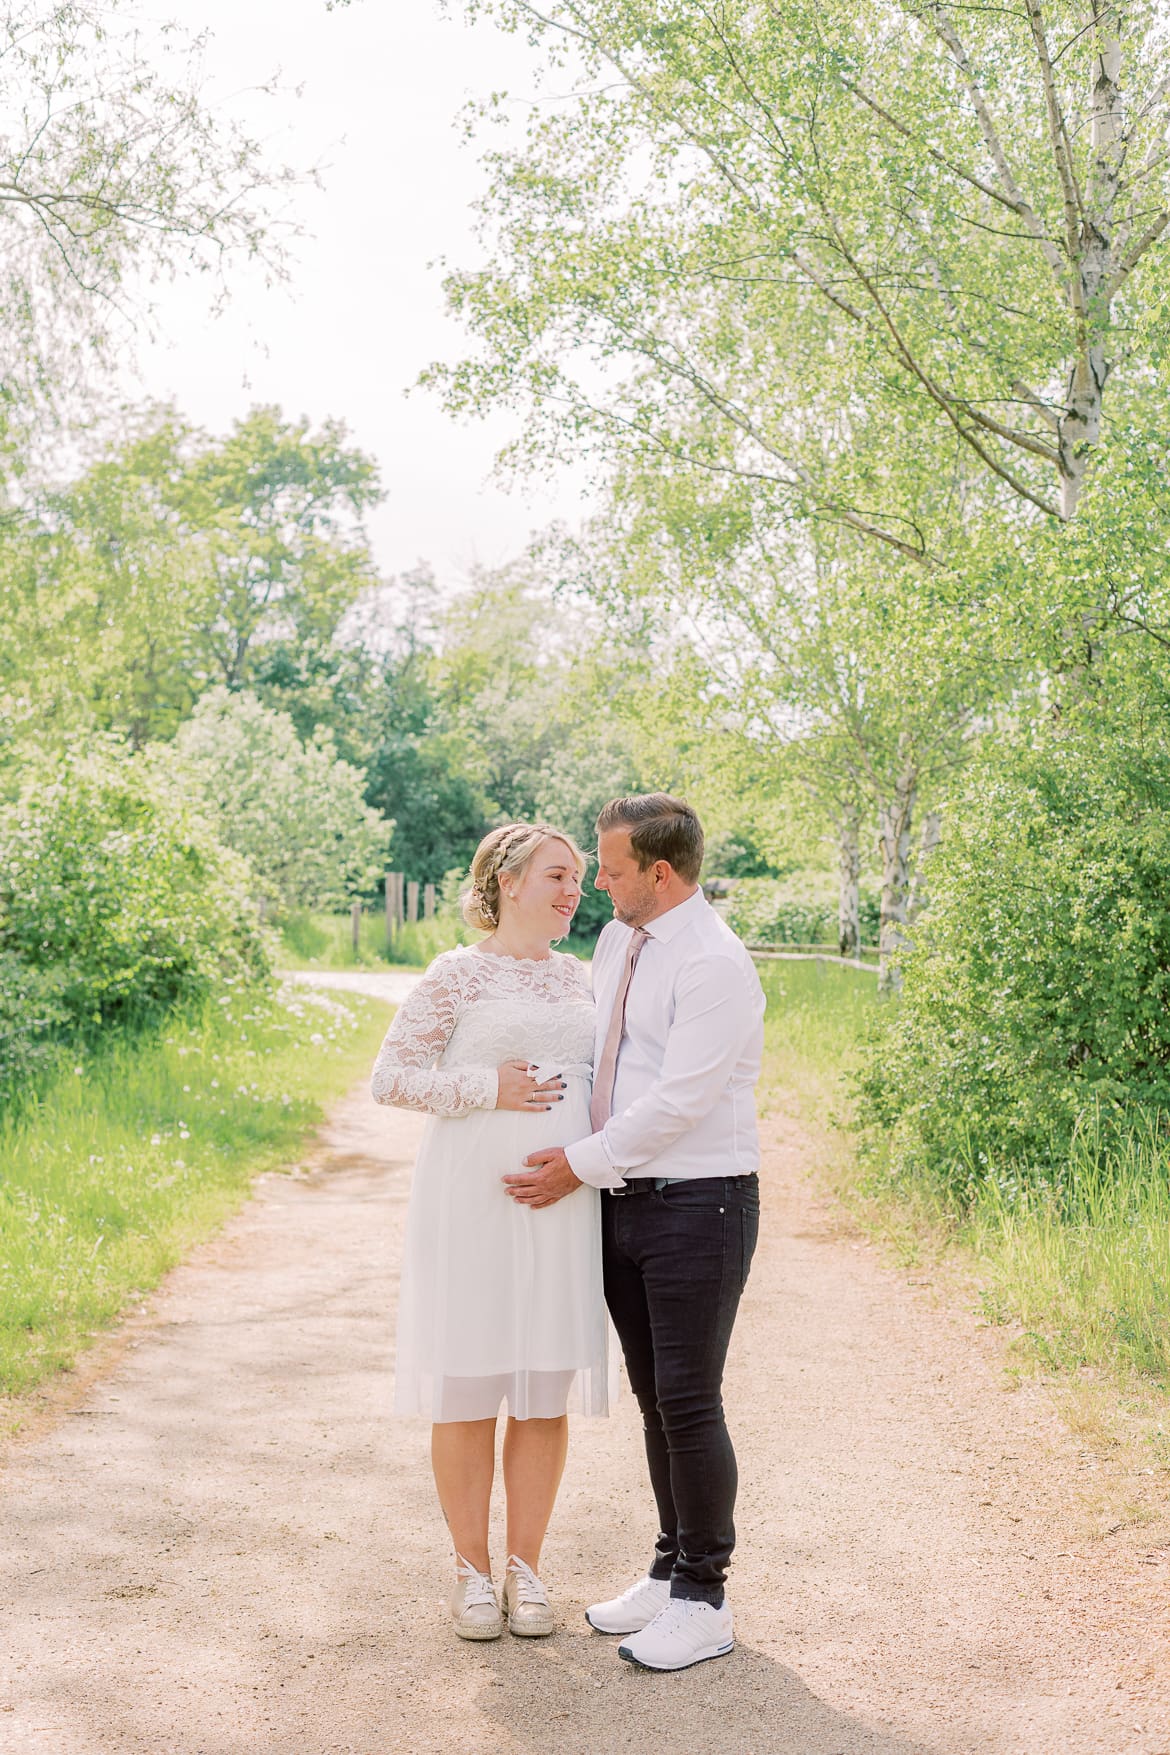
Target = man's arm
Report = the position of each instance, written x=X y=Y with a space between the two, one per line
x=712 y=1011
x=704 y=1044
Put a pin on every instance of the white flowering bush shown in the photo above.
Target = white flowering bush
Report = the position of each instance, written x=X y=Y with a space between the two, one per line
x=295 y=810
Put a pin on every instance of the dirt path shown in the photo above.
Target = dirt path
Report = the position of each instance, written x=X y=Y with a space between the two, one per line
x=225 y=1547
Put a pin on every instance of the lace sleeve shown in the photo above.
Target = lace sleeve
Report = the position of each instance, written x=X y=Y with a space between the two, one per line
x=405 y=1073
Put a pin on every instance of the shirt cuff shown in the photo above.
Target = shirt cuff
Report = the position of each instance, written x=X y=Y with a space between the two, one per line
x=589 y=1162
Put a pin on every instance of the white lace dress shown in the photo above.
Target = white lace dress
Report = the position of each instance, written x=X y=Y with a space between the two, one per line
x=498 y=1301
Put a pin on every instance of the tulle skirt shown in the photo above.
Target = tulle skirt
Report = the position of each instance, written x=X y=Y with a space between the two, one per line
x=501 y=1303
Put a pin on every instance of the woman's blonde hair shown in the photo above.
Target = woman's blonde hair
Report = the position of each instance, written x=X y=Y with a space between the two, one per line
x=507 y=849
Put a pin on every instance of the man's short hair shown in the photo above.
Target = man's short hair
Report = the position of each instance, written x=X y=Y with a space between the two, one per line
x=661 y=827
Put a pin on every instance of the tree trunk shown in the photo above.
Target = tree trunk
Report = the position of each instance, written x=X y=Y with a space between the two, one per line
x=895 y=822
x=849 y=877
x=1093 y=267
x=929 y=840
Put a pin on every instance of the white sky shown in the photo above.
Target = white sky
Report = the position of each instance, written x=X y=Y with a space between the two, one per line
x=381 y=83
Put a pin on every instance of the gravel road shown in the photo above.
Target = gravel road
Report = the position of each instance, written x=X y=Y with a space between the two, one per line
x=216 y=1542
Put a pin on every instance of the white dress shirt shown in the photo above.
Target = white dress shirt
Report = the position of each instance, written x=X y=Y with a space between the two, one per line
x=684 y=1091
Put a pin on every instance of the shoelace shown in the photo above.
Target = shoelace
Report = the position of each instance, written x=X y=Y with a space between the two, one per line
x=676 y=1618
x=479 y=1586
x=636 y=1590
x=528 y=1587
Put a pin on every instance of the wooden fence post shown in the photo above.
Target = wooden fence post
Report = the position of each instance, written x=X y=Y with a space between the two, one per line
x=394 y=904
x=355 y=922
x=412 y=901
x=390 y=904
x=429 y=902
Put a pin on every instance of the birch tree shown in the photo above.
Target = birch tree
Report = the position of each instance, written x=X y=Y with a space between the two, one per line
x=875 y=717
x=742 y=220
x=814 y=649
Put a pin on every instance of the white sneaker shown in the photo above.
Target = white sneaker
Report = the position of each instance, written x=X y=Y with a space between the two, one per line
x=474 y=1608
x=633 y=1610
x=681 y=1634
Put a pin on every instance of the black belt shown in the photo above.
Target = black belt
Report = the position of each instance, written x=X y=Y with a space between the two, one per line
x=652 y=1184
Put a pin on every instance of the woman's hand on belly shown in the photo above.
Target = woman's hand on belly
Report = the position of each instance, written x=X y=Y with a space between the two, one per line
x=520 y=1089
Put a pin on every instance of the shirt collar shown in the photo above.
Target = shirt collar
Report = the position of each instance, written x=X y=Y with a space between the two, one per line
x=666 y=926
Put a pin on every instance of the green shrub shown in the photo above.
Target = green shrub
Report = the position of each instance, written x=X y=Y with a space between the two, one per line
x=1037 y=987
x=33 y=1015
x=797 y=910
x=418 y=943
x=115 y=906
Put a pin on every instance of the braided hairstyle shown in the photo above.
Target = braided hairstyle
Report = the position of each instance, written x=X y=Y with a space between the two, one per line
x=506 y=849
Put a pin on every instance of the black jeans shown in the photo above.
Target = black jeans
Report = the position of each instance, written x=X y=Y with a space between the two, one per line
x=676 y=1261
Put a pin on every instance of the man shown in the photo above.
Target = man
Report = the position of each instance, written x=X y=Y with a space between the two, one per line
x=679 y=1035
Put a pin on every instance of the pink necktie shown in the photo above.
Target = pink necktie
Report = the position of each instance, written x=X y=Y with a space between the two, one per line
x=601 y=1102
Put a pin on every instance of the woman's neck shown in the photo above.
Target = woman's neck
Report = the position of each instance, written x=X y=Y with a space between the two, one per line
x=510 y=940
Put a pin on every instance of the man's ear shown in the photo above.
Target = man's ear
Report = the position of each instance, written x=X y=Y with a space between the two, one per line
x=663 y=872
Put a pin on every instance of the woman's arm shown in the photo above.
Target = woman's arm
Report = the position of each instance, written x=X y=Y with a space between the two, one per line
x=405 y=1073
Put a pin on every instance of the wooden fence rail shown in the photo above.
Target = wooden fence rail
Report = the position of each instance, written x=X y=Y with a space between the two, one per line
x=767 y=954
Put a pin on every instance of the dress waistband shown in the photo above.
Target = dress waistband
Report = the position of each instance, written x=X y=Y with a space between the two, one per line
x=551 y=1069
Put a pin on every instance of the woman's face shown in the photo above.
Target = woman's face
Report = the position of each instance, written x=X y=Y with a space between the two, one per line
x=547 y=895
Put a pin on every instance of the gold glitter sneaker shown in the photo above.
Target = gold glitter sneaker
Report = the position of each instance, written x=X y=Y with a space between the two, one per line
x=474 y=1609
x=526 y=1601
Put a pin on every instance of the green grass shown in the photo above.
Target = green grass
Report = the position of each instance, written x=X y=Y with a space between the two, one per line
x=1081 y=1270
x=136 y=1152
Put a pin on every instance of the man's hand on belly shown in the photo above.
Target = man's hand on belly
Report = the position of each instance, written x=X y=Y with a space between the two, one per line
x=550 y=1179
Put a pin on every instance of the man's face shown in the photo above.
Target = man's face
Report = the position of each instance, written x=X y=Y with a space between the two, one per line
x=634 y=893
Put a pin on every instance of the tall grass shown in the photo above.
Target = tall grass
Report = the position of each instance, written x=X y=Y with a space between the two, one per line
x=1081 y=1264
x=120 y=1163
x=1084 y=1266
x=325 y=941
x=815 y=1020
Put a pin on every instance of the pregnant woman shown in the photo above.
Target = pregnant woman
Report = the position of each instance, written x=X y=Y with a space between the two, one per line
x=499 y=1303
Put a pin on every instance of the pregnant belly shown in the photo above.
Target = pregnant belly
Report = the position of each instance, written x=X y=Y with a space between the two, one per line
x=564 y=1122
x=496 y=1141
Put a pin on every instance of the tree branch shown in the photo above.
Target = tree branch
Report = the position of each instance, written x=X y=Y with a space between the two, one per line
x=1058 y=140
x=907 y=133
x=801 y=476
x=950 y=37
x=950 y=404
x=1134 y=255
